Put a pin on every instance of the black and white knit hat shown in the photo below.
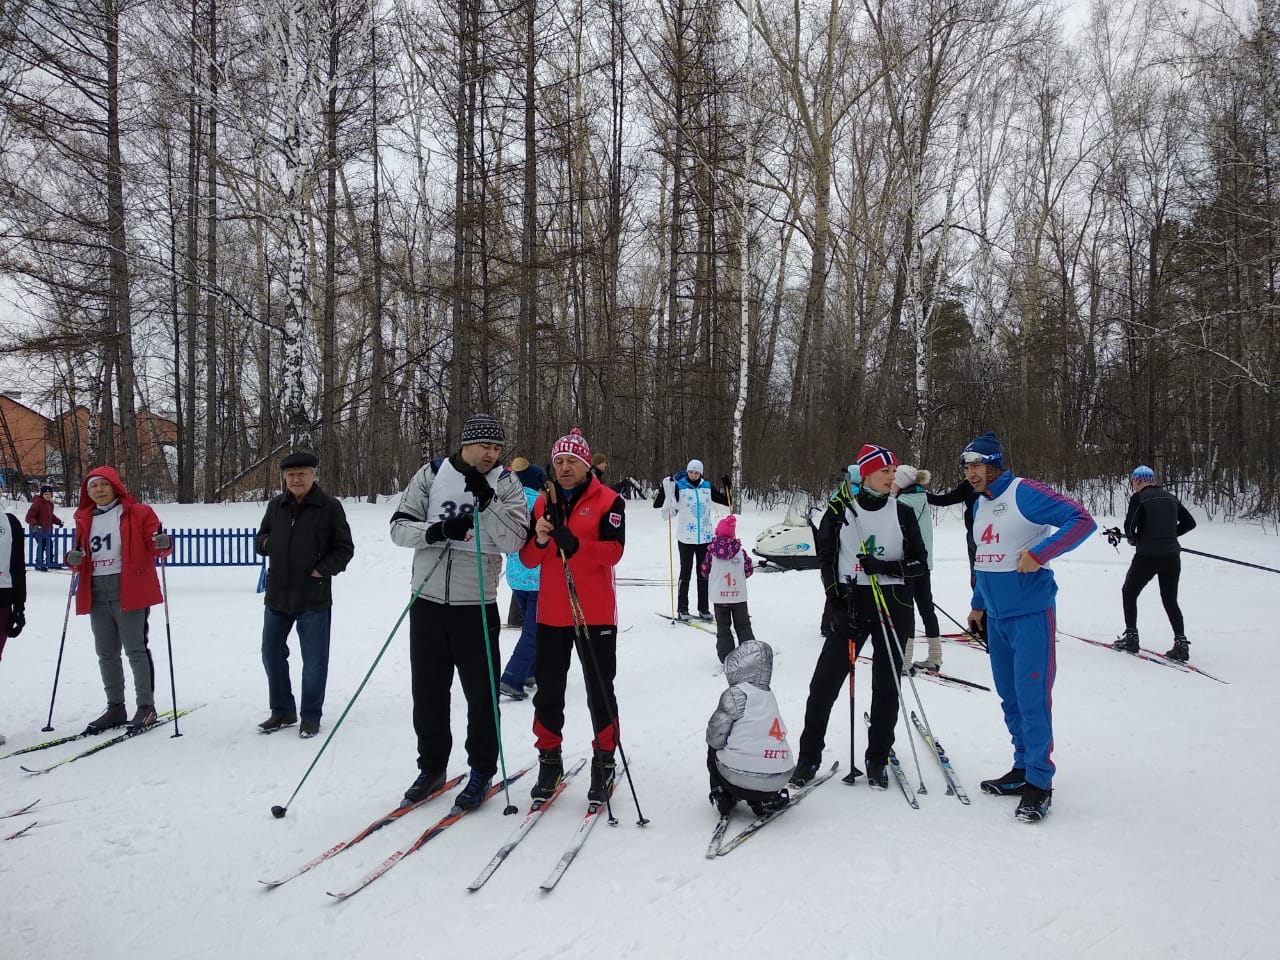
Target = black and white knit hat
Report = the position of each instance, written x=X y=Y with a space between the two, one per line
x=482 y=428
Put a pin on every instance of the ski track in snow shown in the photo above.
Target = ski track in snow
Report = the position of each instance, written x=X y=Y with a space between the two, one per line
x=1153 y=848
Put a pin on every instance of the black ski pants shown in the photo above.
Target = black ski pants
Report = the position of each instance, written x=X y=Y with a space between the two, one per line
x=444 y=637
x=731 y=618
x=833 y=667
x=1166 y=569
x=691 y=555
x=551 y=667
x=922 y=589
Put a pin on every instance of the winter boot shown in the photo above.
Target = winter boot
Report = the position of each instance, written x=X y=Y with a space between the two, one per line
x=705 y=615
x=803 y=773
x=601 y=776
x=428 y=782
x=934 y=663
x=722 y=800
x=877 y=774
x=763 y=808
x=1181 y=649
x=908 y=649
x=144 y=717
x=276 y=721
x=1010 y=784
x=550 y=773
x=309 y=729
x=1034 y=805
x=474 y=792
x=114 y=716
x=1128 y=642
x=512 y=693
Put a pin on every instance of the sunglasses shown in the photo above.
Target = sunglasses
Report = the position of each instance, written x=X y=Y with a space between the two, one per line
x=970 y=457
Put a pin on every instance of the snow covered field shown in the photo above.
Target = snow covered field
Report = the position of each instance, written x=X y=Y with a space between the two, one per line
x=1160 y=844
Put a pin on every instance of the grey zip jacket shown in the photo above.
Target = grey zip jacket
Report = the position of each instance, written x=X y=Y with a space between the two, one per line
x=449 y=566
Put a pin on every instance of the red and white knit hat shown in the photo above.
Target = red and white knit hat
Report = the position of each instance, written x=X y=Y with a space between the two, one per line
x=872 y=458
x=572 y=444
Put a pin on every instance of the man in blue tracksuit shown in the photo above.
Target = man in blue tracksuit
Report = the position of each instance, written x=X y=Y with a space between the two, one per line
x=1013 y=530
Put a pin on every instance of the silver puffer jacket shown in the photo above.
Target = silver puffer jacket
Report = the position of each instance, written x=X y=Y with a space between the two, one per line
x=750 y=665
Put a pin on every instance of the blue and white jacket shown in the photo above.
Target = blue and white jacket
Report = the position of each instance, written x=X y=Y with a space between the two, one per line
x=1036 y=510
x=520 y=577
x=690 y=506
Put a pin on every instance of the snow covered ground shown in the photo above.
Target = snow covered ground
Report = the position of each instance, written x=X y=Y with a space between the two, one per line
x=1159 y=844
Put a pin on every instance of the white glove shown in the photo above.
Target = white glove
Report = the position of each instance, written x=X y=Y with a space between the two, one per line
x=668 y=512
x=669 y=487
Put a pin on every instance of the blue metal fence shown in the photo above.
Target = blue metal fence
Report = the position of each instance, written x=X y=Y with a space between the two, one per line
x=193 y=547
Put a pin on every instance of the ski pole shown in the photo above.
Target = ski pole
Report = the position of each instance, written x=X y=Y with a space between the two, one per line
x=168 y=636
x=894 y=647
x=671 y=573
x=1214 y=556
x=66 y=619
x=967 y=631
x=278 y=811
x=510 y=808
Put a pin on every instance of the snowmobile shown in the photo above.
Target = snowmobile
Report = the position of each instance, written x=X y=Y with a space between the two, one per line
x=789 y=545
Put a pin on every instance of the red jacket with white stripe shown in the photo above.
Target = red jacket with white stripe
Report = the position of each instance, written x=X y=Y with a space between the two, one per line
x=596 y=516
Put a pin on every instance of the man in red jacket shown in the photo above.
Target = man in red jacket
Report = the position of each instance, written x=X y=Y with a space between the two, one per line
x=579 y=523
x=41 y=519
x=117 y=541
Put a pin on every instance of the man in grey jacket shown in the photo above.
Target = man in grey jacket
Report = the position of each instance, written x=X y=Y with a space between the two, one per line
x=437 y=519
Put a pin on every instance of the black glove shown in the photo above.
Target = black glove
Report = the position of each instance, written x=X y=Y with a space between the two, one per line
x=566 y=542
x=478 y=486
x=455 y=528
x=56 y=521
x=17 y=620
x=726 y=481
x=874 y=566
x=1113 y=536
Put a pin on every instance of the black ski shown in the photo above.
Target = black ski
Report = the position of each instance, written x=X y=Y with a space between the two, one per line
x=15 y=836
x=119 y=738
x=19 y=812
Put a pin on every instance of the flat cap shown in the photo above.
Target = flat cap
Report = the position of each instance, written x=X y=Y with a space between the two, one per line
x=300 y=458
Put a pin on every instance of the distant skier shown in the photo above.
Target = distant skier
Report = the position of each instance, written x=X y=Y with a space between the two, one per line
x=686 y=498
x=1152 y=524
x=726 y=568
x=1013 y=524
x=748 y=756
x=42 y=519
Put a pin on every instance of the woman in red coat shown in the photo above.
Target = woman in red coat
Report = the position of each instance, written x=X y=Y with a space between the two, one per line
x=117 y=541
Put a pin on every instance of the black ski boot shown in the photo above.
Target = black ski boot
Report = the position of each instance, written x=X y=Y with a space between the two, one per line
x=428 y=782
x=601 y=776
x=550 y=773
x=803 y=773
x=722 y=800
x=1010 y=784
x=1128 y=642
x=474 y=792
x=143 y=718
x=877 y=774
x=1181 y=649
x=114 y=716
x=1034 y=805
x=762 y=808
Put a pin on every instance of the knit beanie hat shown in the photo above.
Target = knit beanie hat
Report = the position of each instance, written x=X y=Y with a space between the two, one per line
x=984 y=449
x=572 y=444
x=45 y=488
x=482 y=428
x=872 y=458
x=728 y=527
x=1143 y=474
x=694 y=466
x=905 y=476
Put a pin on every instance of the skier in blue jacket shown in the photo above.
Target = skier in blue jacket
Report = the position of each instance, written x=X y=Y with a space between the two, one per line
x=1013 y=529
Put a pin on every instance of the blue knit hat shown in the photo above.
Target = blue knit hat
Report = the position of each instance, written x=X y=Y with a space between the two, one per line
x=983 y=449
x=1143 y=474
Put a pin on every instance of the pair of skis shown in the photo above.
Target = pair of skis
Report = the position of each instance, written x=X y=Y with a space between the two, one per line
x=164 y=718
x=17 y=813
x=1150 y=656
x=719 y=846
x=953 y=783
